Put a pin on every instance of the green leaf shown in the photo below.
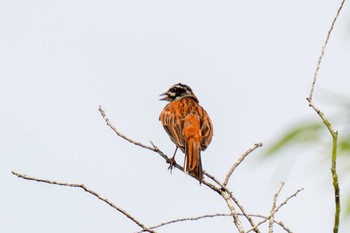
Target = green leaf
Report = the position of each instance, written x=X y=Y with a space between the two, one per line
x=301 y=134
x=344 y=146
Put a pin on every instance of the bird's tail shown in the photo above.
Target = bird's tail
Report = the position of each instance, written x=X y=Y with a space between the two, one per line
x=193 y=163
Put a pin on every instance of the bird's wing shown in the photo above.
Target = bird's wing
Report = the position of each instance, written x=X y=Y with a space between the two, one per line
x=173 y=125
x=206 y=129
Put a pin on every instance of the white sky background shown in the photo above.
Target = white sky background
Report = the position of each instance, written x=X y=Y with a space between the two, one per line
x=250 y=63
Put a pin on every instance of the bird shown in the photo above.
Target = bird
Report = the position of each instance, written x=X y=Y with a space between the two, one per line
x=188 y=126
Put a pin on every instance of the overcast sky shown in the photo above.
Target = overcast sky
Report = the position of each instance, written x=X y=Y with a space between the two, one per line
x=251 y=65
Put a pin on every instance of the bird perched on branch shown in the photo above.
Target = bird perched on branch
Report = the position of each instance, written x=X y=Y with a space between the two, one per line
x=188 y=126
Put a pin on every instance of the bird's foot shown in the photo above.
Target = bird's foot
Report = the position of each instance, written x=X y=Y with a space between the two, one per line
x=172 y=163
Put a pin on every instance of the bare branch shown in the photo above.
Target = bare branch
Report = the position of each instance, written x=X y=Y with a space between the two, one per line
x=234 y=213
x=278 y=208
x=211 y=186
x=280 y=223
x=244 y=213
x=190 y=219
x=213 y=178
x=225 y=189
x=154 y=148
x=167 y=159
x=283 y=226
x=103 y=113
x=157 y=150
x=323 y=117
x=222 y=189
x=323 y=49
x=273 y=209
x=226 y=194
x=86 y=189
x=333 y=133
x=213 y=216
x=287 y=199
x=336 y=188
x=238 y=162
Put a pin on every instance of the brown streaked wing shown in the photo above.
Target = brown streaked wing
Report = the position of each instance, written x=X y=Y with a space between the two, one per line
x=206 y=129
x=173 y=126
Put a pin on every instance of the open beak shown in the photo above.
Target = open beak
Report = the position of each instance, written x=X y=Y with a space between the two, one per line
x=166 y=96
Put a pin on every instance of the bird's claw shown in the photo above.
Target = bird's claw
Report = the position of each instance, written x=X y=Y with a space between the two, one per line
x=172 y=163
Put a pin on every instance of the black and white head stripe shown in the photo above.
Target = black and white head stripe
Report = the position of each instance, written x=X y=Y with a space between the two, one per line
x=178 y=91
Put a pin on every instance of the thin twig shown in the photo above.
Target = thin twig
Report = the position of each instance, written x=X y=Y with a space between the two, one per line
x=86 y=189
x=190 y=219
x=287 y=199
x=244 y=213
x=280 y=223
x=168 y=160
x=212 y=186
x=273 y=209
x=333 y=133
x=213 y=178
x=278 y=208
x=226 y=194
x=222 y=190
x=225 y=189
x=323 y=49
x=103 y=113
x=154 y=148
x=234 y=213
x=238 y=162
x=164 y=156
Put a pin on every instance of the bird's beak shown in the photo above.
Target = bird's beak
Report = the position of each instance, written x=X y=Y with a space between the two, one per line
x=166 y=96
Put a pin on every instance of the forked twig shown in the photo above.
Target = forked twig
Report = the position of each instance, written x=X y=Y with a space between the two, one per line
x=103 y=114
x=154 y=148
x=226 y=194
x=278 y=208
x=86 y=189
x=273 y=209
x=238 y=162
x=233 y=211
x=333 y=132
x=234 y=199
x=222 y=189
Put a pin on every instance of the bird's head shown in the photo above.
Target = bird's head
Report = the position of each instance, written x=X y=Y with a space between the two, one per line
x=178 y=91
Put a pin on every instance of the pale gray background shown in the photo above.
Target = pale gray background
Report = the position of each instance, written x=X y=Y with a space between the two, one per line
x=249 y=62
